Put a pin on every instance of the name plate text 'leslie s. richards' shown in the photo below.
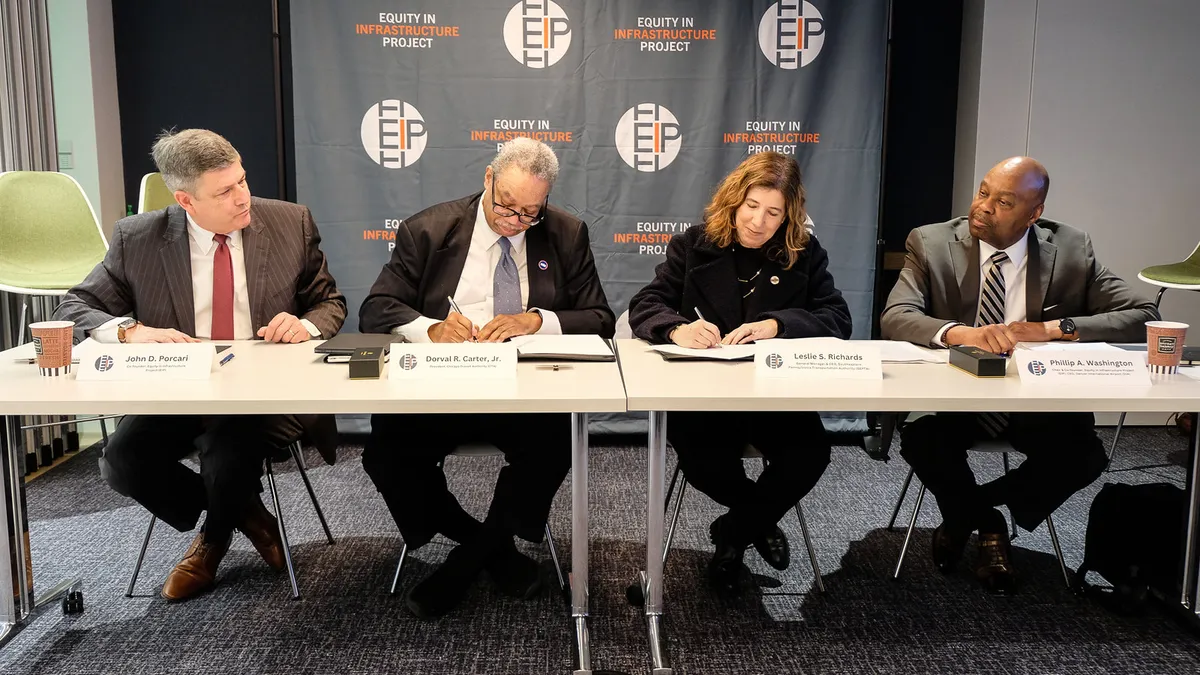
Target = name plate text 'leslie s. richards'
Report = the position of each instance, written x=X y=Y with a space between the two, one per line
x=465 y=361
x=818 y=358
x=191 y=361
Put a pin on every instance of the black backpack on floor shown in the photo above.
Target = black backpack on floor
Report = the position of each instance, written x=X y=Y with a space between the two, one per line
x=1135 y=541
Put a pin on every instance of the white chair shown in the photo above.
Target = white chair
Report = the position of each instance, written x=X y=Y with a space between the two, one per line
x=484 y=450
x=296 y=450
x=993 y=446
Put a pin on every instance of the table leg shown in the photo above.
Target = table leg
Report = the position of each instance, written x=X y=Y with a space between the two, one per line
x=579 y=543
x=652 y=578
x=1191 y=588
x=16 y=578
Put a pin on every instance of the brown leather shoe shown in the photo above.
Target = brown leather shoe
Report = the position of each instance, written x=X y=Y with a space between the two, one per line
x=196 y=572
x=995 y=570
x=261 y=528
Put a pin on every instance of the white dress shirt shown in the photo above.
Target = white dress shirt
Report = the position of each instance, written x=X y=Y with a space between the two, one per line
x=474 y=292
x=203 y=247
x=1013 y=270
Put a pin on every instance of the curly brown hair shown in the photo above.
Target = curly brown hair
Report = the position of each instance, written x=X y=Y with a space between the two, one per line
x=769 y=170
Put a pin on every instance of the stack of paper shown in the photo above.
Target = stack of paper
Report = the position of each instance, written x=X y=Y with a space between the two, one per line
x=718 y=353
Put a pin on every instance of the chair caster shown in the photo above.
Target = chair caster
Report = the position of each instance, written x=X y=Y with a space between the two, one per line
x=634 y=595
x=72 y=603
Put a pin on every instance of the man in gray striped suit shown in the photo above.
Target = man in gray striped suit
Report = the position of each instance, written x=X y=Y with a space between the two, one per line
x=1004 y=275
x=218 y=265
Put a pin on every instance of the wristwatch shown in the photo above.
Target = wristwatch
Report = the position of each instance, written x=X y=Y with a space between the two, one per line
x=1067 y=326
x=124 y=326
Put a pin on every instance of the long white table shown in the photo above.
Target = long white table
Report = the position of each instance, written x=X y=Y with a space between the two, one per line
x=277 y=379
x=657 y=386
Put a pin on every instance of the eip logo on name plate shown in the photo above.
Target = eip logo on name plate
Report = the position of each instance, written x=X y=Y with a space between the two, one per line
x=818 y=358
x=465 y=361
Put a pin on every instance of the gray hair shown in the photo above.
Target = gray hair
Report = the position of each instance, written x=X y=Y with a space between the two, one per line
x=182 y=157
x=534 y=157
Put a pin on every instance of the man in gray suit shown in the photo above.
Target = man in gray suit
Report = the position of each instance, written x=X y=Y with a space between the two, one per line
x=1000 y=276
x=217 y=265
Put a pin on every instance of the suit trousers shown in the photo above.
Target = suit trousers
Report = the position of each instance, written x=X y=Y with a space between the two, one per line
x=142 y=461
x=710 y=447
x=404 y=454
x=1062 y=456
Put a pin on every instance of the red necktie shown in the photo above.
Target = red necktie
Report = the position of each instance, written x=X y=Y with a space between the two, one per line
x=222 y=304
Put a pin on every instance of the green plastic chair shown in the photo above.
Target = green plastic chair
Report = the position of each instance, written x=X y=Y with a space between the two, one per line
x=50 y=237
x=153 y=194
x=1183 y=276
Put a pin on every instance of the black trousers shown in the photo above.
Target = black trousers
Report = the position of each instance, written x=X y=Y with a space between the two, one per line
x=710 y=447
x=404 y=454
x=1062 y=456
x=141 y=461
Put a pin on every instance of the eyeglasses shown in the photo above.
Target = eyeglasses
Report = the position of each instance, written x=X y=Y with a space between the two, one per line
x=505 y=212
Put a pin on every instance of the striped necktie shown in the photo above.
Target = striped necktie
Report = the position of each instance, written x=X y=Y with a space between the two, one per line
x=991 y=311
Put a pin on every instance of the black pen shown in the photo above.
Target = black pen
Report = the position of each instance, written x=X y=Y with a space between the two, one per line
x=454 y=308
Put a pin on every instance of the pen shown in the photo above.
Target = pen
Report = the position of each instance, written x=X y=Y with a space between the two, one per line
x=698 y=314
x=454 y=308
x=227 y=359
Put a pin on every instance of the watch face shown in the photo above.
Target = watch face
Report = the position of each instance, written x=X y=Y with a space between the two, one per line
x=1067 y=326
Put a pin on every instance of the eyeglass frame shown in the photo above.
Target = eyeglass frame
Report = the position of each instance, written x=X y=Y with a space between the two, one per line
x=541 y=214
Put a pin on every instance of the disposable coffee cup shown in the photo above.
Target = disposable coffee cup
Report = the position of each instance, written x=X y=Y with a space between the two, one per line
x=1164 y=345
x=52 y=342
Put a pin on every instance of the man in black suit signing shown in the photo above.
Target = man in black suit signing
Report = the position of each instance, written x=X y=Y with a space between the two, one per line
x=514 y=265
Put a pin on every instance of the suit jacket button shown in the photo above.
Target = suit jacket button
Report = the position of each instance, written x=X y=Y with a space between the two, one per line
x=775 y=281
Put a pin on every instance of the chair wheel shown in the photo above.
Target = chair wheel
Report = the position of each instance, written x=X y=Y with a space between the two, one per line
x=634 y=595
x=72 y=603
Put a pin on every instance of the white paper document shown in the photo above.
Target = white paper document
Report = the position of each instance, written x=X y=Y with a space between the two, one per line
x=1066 y=346
x=718 y=353
x=563 y=347
x=897 y=351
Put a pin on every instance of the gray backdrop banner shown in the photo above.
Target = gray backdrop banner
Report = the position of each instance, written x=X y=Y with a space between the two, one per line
x=648 y=103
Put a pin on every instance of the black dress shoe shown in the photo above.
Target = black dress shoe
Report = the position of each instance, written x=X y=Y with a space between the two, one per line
x=514 y=573
x=948 y=546
x=773 y=547
x=994 y=569
x=725 y=568
x=445 y=589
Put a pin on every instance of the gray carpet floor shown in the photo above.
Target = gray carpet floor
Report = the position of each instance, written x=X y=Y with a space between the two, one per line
x=346 y=622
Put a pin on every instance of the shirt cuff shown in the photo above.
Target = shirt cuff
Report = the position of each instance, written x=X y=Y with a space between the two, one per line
x=939 y=338
x=312 y=330
x=416 y=330
x=107 y=332
x=550 y=323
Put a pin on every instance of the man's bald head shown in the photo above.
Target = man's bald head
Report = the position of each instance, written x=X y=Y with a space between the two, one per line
x=1010 y=199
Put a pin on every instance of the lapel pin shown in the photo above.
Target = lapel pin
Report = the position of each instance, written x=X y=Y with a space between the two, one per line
x=543 y=265
x=774 y=281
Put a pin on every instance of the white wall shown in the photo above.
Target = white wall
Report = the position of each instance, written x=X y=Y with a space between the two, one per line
x=84 y=75
x=1105 y=93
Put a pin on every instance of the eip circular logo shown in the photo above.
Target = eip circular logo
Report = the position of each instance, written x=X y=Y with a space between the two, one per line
x=791 y=34
x=774 y=361
x=648 y=137
x=105 y=363
x=393 y=134
x=408 y=362
x=537 y=33
x=1037 y=368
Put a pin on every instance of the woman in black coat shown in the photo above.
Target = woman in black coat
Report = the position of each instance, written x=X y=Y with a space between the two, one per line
x=753 y=271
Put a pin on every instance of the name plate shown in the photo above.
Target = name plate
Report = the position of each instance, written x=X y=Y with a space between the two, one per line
x=465 y=361
x=191 y=361
x=1082 y=366
x=818 y=359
